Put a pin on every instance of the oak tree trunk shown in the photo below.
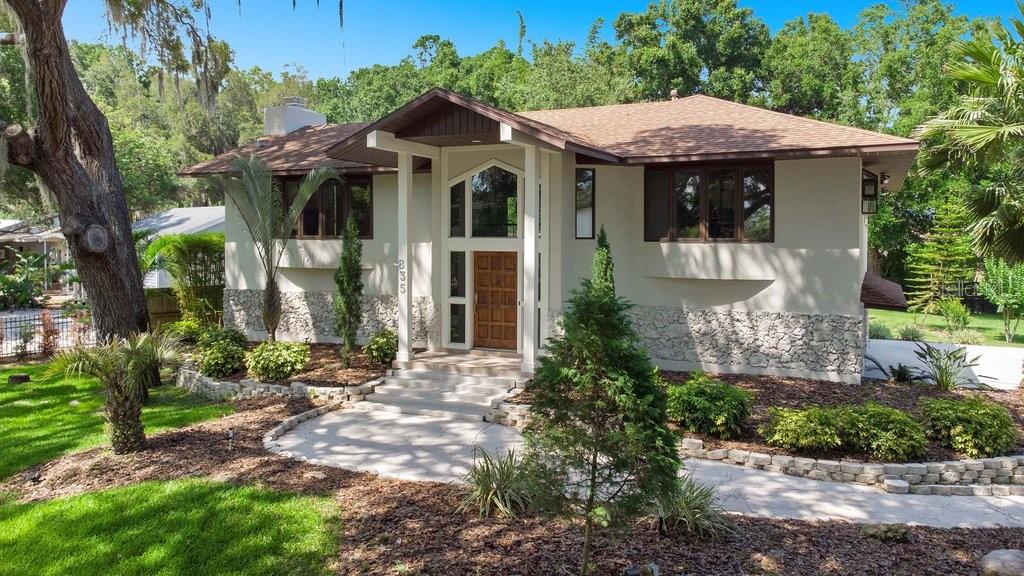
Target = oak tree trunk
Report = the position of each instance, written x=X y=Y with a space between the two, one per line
x=71 y=150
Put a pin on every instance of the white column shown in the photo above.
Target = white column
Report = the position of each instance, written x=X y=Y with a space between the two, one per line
x=404 y=262
x=530 y=261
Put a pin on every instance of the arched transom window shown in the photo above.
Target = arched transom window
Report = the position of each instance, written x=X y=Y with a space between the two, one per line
x=493 y=205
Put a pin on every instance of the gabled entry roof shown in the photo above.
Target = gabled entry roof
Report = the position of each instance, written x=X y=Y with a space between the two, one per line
x=443 y=118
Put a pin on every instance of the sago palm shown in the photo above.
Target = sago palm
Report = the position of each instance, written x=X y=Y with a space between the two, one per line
x=126 y=368
x=985 y=128
x=259 y=199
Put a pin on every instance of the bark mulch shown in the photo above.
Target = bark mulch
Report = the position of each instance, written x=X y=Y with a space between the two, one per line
x=391 y=526
x=774 y=391
x=325 y=368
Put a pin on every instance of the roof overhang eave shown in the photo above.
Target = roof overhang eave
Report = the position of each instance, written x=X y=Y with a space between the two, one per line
x=896 y=149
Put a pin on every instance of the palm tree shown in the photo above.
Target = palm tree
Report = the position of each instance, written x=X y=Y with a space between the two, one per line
x=985 y=129
x=260 y=202
x=126 y=368
x=196 y=265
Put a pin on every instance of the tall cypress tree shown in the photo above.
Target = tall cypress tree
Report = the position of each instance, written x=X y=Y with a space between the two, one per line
x=598 y=442
x=348 y=301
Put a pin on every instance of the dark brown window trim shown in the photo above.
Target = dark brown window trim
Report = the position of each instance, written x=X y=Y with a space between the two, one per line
x=593 y=204
x=703 y=168
x=346 y=207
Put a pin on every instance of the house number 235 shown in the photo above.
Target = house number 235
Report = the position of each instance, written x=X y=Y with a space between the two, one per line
x=401 y=276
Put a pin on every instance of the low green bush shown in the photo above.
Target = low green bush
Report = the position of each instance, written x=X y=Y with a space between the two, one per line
x=217 y=334
x=910 y=332
x=276 y=360
x=954 y=313
x=703 y=404
x=220 y=358
x=187 y=330
x=879 y=331
x=813 y=429
x=973 y=426
x=382 y=347
x=883 y=432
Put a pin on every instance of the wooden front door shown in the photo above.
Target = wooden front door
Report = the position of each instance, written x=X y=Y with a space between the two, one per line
x=495 y=297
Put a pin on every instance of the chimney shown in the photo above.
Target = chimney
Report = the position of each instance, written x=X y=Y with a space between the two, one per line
x=673 y=95
x=291 y=115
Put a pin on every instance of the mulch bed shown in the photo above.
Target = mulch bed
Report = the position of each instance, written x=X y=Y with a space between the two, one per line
x=390 y=524
x=325 y=368
x=773 y=391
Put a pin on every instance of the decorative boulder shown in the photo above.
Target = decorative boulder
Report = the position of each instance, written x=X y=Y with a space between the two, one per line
x=1003 y=563
x=18 y=378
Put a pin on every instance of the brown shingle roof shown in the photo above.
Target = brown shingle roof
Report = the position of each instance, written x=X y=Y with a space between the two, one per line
x=702 y=127
x=297 y=152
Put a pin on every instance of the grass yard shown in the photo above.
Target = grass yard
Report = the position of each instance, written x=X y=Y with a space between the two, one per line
x=170 y=528
x=48 y=417
x=988 y=325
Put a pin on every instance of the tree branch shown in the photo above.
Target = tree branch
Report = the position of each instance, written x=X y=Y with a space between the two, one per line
x=21 y=147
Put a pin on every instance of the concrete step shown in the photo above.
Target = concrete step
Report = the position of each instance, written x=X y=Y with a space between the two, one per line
x=426 y=377
x=502 y=370
x=458 y=395
x=469 y=412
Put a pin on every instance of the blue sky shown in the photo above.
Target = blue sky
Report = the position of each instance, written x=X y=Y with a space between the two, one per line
x=268 y=33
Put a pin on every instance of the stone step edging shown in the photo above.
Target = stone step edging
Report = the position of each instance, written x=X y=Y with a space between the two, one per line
x=508 y=414
x=999 y=476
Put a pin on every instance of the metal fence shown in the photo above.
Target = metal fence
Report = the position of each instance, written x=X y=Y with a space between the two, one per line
x=38 y=333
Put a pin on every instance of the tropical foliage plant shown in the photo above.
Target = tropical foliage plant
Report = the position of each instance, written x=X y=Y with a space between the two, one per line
x=271 y=361
x=944 y=368
x=126 y=367
x=382 y=347
x=693 y=511
x=973 y=426
x=498 y=484
x=195 y=263
x=259 y=199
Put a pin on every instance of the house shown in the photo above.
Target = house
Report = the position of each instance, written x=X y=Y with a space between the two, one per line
x=38 y=236
x=178 y=221
x=738 y=233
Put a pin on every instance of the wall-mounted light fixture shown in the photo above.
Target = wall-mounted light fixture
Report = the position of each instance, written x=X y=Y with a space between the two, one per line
x=869 y=193
x=884 y=179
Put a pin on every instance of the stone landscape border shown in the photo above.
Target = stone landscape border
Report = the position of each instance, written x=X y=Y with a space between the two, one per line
x=508 y=414
x=1000 y=476
x=270 y=438
x=196 y=383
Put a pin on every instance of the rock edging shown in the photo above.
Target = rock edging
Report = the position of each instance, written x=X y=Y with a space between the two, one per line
x=270 y=438
x=508 y=414
x=196 y=383
x=1000 y=476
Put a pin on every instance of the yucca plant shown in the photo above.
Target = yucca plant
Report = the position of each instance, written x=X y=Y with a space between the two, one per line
x=498 y=485
x=126 y=367
x=693 y=511
x=259 y=199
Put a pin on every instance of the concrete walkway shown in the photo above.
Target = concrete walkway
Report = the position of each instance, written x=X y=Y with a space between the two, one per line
x=417 y=447
x=760 y=493
x=409 y=447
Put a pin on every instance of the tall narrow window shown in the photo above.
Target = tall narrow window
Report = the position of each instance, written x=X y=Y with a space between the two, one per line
x=360 y=205
x=657 y=213
x=686 y=188
x=331 y=204
x=585 y=202
x=457 y=334
x=309 y=220
x=457 y=225
x=458 y=274
x=722 y=203
x=495 y=204
x=757 y=205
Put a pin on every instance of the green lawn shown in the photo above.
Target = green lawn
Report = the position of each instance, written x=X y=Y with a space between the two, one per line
x=182 y=527
x=48 y=417
x=989 y=325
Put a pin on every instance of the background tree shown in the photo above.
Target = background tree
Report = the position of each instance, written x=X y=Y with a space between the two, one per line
x=983 y=127
x=945 y=258
x=1003 y=285
x=260 y=203
x=348 y=300
x=598 y=439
